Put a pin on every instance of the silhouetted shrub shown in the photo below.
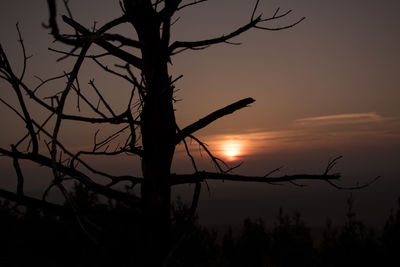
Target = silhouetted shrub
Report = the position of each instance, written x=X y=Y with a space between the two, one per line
x=292 y=244
x=250 y=248
x=193 y=244
x=391 y=237
x=352 y=245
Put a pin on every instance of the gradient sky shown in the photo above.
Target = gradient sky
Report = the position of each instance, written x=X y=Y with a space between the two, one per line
x=329 y=86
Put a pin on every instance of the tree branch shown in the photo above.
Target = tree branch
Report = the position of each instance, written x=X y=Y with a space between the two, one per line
x=15 y=82
x=81 y=177
x=203 y=122
x=197 y=177
x=357 y=187
x=97 y=39
x=59 y=111
x=122 y=39
x=36 y=203
x=254 y=23
x=195 y=2
x=177 y=179
x=212 y=41
x=214 y=159
x=20 y=176
x=171 y=6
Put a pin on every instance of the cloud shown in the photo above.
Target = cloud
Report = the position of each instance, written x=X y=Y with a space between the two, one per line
x=349 y=118
x=329 y=133
x=333 y=130
x=350 y=124
x=258 y=141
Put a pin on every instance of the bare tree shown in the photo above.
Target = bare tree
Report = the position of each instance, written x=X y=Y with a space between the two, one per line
x=149 y=118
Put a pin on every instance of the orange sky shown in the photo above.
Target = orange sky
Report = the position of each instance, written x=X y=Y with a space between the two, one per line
x=328 y=87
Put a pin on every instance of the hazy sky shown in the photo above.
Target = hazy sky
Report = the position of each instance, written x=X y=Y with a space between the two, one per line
x=327 y=87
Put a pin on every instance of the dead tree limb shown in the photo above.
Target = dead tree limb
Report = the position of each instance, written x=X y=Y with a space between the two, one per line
x=203 y=122
x=203 y=175
x=36 y=203
x=179 y=46
x=79 y=176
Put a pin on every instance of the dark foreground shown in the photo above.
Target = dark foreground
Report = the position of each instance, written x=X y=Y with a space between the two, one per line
x=106 y=234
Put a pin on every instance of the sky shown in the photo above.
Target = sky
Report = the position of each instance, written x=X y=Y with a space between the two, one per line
x=327 y=87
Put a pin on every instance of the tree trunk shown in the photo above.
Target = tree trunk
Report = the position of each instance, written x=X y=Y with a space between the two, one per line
x=158 y=144
x=158 y=131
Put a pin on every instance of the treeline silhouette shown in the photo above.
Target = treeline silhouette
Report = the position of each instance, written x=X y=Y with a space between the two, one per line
x=107 y=234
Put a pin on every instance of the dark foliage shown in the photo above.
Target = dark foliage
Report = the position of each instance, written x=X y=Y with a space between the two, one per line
x=293 y=245
x=250 y=248
x=101 y=235
x=391 y=237
x=352 y=245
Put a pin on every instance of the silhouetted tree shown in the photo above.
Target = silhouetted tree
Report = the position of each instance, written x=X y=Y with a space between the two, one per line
x=292 y=242
x=51 y=240
x=391 y=237
x=252 y=246
x=148 y=119
x=354 y=244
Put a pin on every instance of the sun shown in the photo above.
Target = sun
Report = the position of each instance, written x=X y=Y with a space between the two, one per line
x=231 y=149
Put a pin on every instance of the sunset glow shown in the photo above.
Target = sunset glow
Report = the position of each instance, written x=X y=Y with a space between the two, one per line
x=327 y=87
x=232 y=149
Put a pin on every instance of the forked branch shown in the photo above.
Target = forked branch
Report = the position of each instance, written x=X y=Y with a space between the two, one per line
x=71 y=172
x=201 y=176
x=99 y=40
x=254 y=23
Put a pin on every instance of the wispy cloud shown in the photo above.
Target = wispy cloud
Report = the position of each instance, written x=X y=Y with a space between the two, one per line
x=333 y=130
x=349 y=118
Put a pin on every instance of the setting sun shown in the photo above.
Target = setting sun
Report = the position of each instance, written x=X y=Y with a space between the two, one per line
x=232 y=149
